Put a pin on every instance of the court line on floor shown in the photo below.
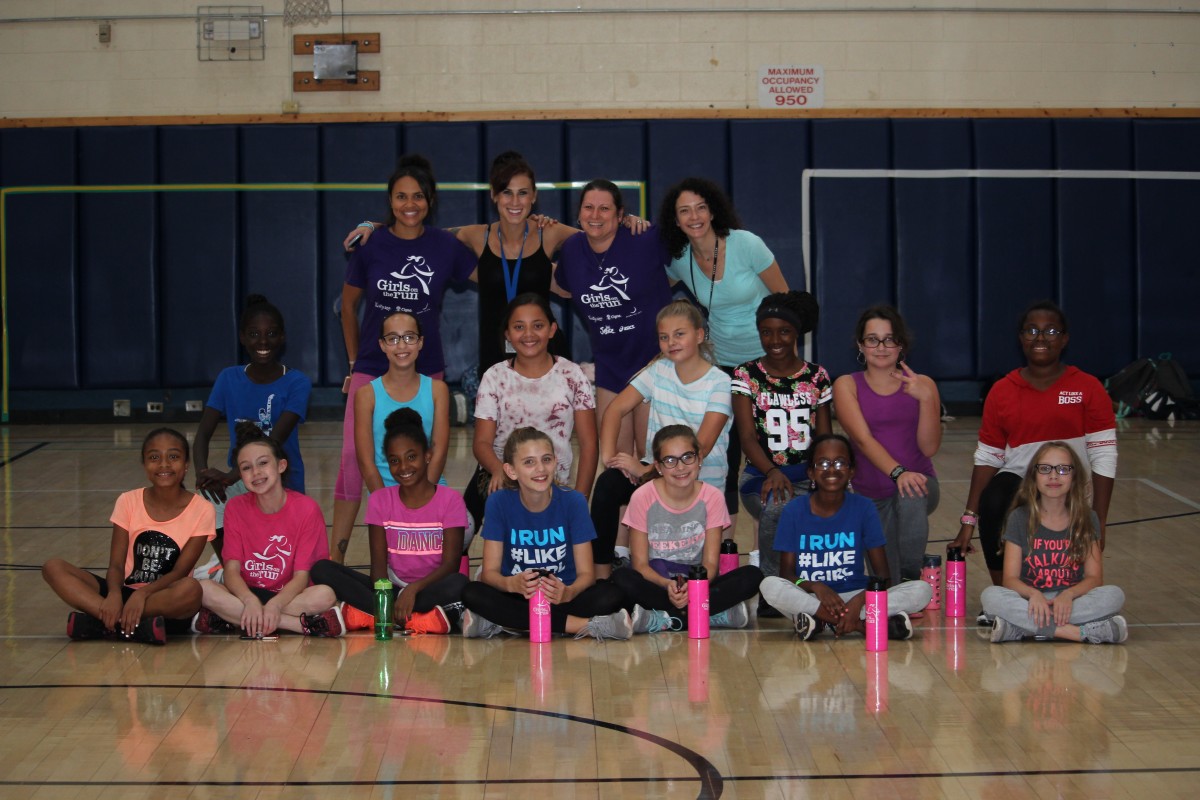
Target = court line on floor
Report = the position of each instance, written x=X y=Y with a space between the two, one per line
x=23 y=453
x=709 y=777
x=982 y=774
x=1173 y=495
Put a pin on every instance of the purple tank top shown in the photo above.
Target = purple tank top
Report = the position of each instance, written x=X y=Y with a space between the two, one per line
x=893 y=422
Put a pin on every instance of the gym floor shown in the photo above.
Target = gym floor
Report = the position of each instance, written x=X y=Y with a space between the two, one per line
x=747 y=713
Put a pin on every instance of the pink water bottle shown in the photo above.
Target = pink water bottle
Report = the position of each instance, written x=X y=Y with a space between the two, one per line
x=728 y=561
x=539 y=615
x=697 y=591
x=931 y=573
x=877 y=615
x=956 y=583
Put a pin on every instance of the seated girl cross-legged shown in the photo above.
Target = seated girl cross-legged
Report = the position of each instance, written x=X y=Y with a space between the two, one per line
x=825 y=540
x=537 y=535
x=273 y=536
x=675 y=522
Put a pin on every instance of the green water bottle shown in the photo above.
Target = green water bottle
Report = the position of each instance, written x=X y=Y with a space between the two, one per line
x=383 y=610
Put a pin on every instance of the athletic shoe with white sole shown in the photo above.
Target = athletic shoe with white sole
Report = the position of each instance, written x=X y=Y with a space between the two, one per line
x=476 y=627
x=328 y=624
x=1006 y=632
x=611 y=626
x=1113 y=630
x=899 y=627
x=736 y=617
x=648 y=620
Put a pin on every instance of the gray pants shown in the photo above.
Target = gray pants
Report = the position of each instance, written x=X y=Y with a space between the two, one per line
x=1100 y=603
x=768 y=522
x=909 y=597
x=905 y=523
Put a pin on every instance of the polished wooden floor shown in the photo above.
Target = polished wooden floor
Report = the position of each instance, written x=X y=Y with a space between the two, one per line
x=751 y=713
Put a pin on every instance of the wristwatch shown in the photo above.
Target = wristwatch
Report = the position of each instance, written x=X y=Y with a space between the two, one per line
x=897 y=472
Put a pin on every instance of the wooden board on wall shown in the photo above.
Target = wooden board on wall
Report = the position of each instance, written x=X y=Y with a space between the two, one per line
x=367 y=81
x=302 y=44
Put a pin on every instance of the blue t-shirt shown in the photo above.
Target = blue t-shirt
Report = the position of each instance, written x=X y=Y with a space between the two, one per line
x=406 y=275
x=541 y=540
x=238 y=398
x=619 y=293
x=732 y=302
x=830 y=550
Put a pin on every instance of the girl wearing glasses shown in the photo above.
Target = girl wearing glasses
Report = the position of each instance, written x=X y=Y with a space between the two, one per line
x=402 y=386
x=825 y=541
x=1053 y=576
x=1044 y=400
x=675 y=522
x=893 y=418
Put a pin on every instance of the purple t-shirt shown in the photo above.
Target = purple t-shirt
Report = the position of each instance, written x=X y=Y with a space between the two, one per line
x=414 y=535
x=892 y=420
x=619 y=293
x=406 y=275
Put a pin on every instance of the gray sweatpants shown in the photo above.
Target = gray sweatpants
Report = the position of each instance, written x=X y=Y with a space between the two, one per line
x=767 y=515
x=909 y=597
x=905 y=522
x=1100 y=603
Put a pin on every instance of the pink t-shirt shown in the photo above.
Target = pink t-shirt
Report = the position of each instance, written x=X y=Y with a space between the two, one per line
x=271 y=548
x=414 y=535
x=155 y=545
x=547 y=403
x=676 y=534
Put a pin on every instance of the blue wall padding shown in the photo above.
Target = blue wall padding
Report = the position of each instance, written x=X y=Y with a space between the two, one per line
x=122 y=290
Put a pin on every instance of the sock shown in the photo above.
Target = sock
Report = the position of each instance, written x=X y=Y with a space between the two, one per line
x=621 y=552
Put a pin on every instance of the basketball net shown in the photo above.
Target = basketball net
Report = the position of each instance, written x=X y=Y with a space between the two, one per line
x=312 y=12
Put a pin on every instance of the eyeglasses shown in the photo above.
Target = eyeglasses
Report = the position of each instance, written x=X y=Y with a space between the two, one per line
x=874 y=341
x=395 y=339
x=1031 y=333
x=687 y=459
x=825 y=463
x=1061 y=469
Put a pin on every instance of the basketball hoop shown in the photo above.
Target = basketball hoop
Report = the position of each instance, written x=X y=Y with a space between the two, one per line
x=311 y=12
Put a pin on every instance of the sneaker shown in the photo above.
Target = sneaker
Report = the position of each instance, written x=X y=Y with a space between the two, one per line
x=207 y=621
x=1006 y=632
x=1113 y=630
x=432 y=621
x=807 y=626
x=736 y=617
x=206 y=570
x=356 y=620
x=983 y=619
x=81 y=626
x=648 y=620
x=899 y=627
x=151 y=630
x=477 y=627
x=327 y=624
x=768 y=611
x=612 y=626
x=621 y=562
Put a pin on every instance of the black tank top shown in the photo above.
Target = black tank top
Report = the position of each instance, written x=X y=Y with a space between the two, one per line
x=536 y=271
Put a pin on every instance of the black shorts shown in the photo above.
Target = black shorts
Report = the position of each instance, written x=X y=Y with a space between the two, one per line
x=126 y=591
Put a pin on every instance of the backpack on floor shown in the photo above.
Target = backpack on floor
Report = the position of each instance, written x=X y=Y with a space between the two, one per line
x=1155 y=388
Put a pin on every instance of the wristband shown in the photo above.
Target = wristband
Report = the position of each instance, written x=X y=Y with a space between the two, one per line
x=370 y=225
x=969 y=518
x=897 y=472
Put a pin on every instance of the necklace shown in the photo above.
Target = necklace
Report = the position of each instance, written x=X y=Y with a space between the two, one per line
x=712 y=286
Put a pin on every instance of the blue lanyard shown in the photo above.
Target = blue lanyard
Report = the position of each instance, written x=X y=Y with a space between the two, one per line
x=511 y=278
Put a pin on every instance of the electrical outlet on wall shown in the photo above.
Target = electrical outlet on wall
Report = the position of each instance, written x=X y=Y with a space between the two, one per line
x=154 y=408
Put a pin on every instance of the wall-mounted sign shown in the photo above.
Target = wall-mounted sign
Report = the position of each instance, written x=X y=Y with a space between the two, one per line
x=791 y=86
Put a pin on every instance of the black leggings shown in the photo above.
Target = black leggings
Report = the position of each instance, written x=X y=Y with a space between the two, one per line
x=358 y=590
x=511 y=610
x=733 y=461
x=994 y=504
x=724 y=592
x=612 y=491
